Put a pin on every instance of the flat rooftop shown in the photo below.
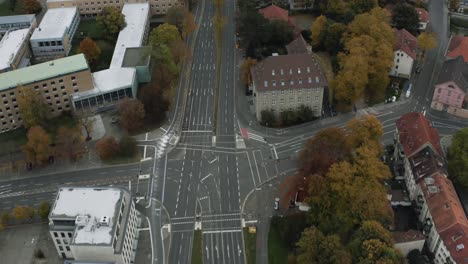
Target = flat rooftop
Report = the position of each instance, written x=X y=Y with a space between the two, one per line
x=109 y=80
x=43 y=71
x=55 y=23
x=88 y=206
x=10 y=46
x=17 y=19
x=136 y=17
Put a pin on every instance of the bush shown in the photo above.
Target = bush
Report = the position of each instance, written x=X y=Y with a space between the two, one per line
x=43 y=210
x=39 y=254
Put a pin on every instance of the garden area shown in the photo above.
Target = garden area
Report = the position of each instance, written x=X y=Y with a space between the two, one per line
x=91 y=29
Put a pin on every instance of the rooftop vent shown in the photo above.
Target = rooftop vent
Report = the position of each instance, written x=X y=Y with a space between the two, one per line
x=274 y=54
x=460 y=247
x=104 y=221
x=433 y=189
x=81 y=220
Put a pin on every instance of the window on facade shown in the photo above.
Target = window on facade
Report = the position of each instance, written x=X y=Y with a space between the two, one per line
x=58 y=241
x=44 y=85
x=274 y=83
x=282 y=82
x=60 y=248
x=54 y=89
x=300 y=81
x=449 y=93
x=67 y=248
x=74 y=84
x=299 y=70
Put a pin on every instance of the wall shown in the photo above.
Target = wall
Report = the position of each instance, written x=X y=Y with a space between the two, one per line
x=404 y=64
x=407 y=247
x=449 y=94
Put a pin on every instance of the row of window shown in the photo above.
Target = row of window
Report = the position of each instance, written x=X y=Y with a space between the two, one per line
x=299 y=100
x=299 y=71
x=291 y=81
x=50 y=43
x=291 y=91
x=291 y=109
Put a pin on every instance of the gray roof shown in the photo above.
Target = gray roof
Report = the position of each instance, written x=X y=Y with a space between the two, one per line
x=455 y=70
x=138 y=56
x=16 y=19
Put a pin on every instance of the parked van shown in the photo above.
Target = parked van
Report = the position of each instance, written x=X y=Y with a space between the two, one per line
x=408 y=92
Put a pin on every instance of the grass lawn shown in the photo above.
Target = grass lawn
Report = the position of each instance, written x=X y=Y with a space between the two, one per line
x=6 y=10
x=277 y=250
x=11 y=141
x=250 y=246
x=197 y=249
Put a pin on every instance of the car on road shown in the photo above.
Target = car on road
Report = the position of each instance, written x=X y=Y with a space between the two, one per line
x=418 y=69
x=276 y=207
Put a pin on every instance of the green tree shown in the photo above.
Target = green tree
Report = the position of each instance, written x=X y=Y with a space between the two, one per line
x=37 y=149
x=112 y=20
x=127 y=147
x=305 y=114
x=181 y=18
x=457 y=157
x=405 y=16
x=90 y=49
x=288 y=118
x=333 y=36
x=315 y=247
x=32 y=107
x=362 y=6
x=43 y=210
x=318 y=29
x=267 y=118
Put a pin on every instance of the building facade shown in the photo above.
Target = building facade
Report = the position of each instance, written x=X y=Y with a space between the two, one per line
x=287 y=82
x=16 y=22
x=94 y=224
x=91 y=8
x=404 y=54
x=423 y=18
x=451 y=90
x=14 y=50
x=52 y=39
x=56 y=81
x=301 y=4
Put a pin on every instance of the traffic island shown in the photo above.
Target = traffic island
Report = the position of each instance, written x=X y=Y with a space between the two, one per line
x=197 y=249
x=250 y=242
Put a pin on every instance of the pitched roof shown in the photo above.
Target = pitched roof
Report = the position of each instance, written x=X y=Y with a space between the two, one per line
x=298 y=46
x=455 y=70
x=423 y=14
x=448 y=215
x=408 y=236
x=406 y=42
x=416 y=132
x=293 y=71
x=274 y=12
x=458 y=46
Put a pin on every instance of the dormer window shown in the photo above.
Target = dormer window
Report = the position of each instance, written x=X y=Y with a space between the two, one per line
x=308 y=69
x=310 y=79
x=290 y=71
x=274 y=83
x=273 y=72
x=299 y=70
x=300 y=81
x=282 y=82
x=282 y=72
x=265 y=84
x=317 y=80
x=291 y=82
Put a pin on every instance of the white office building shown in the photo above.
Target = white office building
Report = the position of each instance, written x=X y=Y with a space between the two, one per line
x=14 y=50
x=52 y=39
x=8 y=23
x=94 y=224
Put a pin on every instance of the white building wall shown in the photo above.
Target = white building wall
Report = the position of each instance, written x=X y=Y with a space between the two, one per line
x=407 y=247
x=402 y=64
x=61 y=241
x=411 y=185
x=94 y=253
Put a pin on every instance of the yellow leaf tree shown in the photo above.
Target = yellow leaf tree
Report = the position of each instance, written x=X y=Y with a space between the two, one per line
x=426 y=42
x=246 y=76
x=37 y=149
x=318 y=30
x=32 y=107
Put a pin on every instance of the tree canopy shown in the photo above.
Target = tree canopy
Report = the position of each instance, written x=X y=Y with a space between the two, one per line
x=180 y=17
x=32 y=107
x=112 y=20
x=37 y=149
x=426 y=42
x=405 y=16
x=457 y=157
x=132 y=114
x=90 y=49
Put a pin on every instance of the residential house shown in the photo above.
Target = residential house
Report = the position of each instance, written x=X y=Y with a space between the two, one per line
x=458 y=46
x=423 y=18
x=451 y=89
x=91 y=8
x=299 y=46
x=274 y=12
x=404 y=54
x=8 y=23
x=95 y=225
x=437 y=205
x=408 y=241
x=52 y=39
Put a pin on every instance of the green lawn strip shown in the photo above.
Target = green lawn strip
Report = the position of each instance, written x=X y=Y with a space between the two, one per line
x=197 y=249
x=250 y=240
x=11 y=141
x=277 y=250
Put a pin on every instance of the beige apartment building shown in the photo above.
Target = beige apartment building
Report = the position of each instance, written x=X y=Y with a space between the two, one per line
x=91 y=8
x=56 y=81
x=285 y=82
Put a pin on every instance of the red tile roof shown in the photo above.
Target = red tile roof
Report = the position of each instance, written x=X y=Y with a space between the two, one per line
x=458 y=46
x=298 y=46
x=406 y=42
x=423 y=14
x=416 y=132
x=275 y=12
x=448 y=215
x=408 y=236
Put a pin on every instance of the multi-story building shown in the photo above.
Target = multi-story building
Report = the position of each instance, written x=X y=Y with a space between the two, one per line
x=119 y=81
x=16 y=22
x=451 y=89
x=94 y=224
x=285 y=82
x=458 y=46
x=91 y=8
x=56 y=81
x=14 y=50
x=423 y=18
x=52 y=39
x=404 y=54
x=436 y=202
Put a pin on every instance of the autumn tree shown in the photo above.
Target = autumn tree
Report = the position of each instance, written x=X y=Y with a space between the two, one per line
x=365 y=131
x=457 y=157
x=315 y=247
x=31 y=6
x=181 y=18
x=90 y=49
x=70 y=142
x=453 y=5
x=37 y=149
x=132 y=114
x=107 y=148
x=426 y=42
x=155 y=104
x=112 y=20
x=43 y=210
x=22 y=213
x=318 y=29
x=32 y=107
x=405 y=16
x=246 y=66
